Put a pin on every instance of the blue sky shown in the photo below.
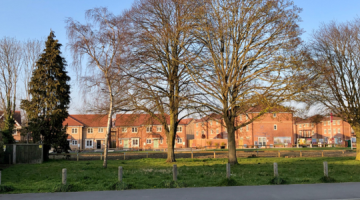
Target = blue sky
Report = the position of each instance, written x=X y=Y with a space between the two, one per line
x=33 y=19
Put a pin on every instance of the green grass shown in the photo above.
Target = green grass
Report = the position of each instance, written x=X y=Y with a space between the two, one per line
x=156 y=173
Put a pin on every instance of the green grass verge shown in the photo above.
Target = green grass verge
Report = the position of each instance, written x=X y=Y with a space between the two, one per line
x=156 y=173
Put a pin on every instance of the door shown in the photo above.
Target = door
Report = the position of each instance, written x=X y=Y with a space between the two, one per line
x=126 y=143
x=262 y=141
x=156 y=143
x=98 y=144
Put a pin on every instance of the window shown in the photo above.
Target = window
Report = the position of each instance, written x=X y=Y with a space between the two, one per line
x=241 y=129
x=197 y=124
x=211 y=132
x=135 y=141
x=120 y=141
x=90 y=130
x=148 y=141
x=338 y=122
x=300 y=125
x=324 y=123
x=334 y=122
x=312 y=124
x=74 y=142
x=325 y=131
x=275 y=127
x=101 y=130
x=197 y=132
x=161 y=140
x=74 y=130
x=217 y=131
x=124 y=129
x=14 y=132
x=247 y=117
x=179 y=129
x=148 y=129
x=217 y=123
x=334 y=130
x=134 y=129
x=328 y=122
x=300 y=133
x=158 y=129
x=329 y=131
x=313 y=132
x=179 y=140
x=274 y=115
x=247 y=127
x=240 y=118
x=88 y=143
x=210 y=123
x=202 y=132
x=338 y=130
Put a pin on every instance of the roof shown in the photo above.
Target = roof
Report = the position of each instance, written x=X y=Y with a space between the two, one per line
x=137 y=120
x=212 y=116
x=89 y=120
x=278 y=108
x=185 y=121
x=316 y=118
x=17 y=116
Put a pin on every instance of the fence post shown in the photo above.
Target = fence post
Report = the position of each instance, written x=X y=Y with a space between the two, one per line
x=147 y=154
x=322 y=153
x=257 y=153
x=77 y=156
x=326 y=171
x=9 y=159
x=14 y=154
x=174 y=172
x=276 y=173
x=64 y=176
x=124 y=155
x=300 y=154
x=54 y=157
x=120 y=173
x=297 y=145
x=228 y=170
x=214 y=154
x=0 y=177
x=310 y=145
x=279 y=154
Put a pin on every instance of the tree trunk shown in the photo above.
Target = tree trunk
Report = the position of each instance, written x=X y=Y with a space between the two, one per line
x=171 y=138
x=231 y=145
x=108 y=131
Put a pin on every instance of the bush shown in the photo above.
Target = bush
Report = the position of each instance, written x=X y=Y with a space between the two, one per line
x=327 y=179
x=228 y=182
x=277 y=181
x=209 y=143
x=121 y=185
x=5 y=188
x=223 y=144
x=217 y=145
x=172 y=184
x=64 y=188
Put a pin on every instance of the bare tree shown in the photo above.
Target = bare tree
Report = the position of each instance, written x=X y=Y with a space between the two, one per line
x=247 y=60
x=163 y=47
x=334 y=60
x=10 y=66
x=102 y=41
x=32 y=50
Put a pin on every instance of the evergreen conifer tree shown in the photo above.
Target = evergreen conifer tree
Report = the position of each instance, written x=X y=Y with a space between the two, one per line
x=50 y=97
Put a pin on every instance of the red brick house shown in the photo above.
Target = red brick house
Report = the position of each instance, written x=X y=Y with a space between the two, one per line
x=86 y=131
x=141 y=131
x=17 y=130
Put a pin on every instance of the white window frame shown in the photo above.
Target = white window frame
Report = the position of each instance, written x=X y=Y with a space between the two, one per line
x=339 y=130
x=202 y=133
x=334 y=131
x=300 y=125
x=275 y=127
x=246 y=117
x=132 y=142
x=197 y=132
x=313 y=132
x=14 y=132
x=197 y=124
x=74 y=142
x=217 y=131
x=161 y=140
x=124 y=129
x=120 y=141
x=158 y=128
x=338 y=122
x=324 y=123
x=240 y=118
x=324 y=131
x=148 y=129
x=179 y=129
x=210 y=122
x=179 y=140
x=274 y=115
x=211 y=132
x=148 y=141
x=241 y=129
x=86 y=143
x=134 y=129
x=247 y=127
x=74 y=131
x=329 y=131
x=328 y=122
x=312 y=124
x=100 y=130
x=90 y=130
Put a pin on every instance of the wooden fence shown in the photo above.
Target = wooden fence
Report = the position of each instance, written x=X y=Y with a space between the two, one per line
x=22 y=153
x=204 y=154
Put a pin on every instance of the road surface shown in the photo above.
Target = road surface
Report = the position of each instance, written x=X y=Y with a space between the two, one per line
x=348 y=191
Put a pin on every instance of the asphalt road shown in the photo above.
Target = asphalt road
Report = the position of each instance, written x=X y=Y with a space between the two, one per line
x=269 y=192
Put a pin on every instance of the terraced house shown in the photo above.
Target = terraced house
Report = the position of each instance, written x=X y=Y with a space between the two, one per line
x=16 y=132
x=141 y=131
x=87 y=131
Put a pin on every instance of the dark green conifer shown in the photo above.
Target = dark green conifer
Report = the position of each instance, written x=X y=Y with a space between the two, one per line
x=50 y=97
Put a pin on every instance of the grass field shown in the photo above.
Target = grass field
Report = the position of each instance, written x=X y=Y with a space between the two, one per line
x=155 y=173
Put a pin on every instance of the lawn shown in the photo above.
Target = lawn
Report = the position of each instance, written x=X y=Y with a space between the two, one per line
x=155 y=173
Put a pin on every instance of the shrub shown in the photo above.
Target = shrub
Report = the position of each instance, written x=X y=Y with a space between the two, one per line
x=223 y=144
x=5 y=188
x=172 y=184
x=217 y=145
x=64 y=188
x=209 y=143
